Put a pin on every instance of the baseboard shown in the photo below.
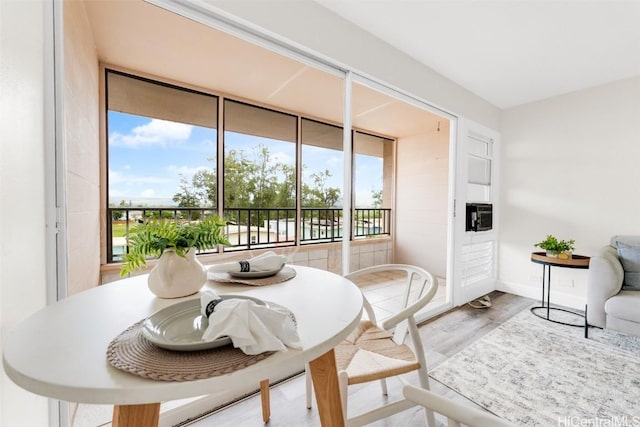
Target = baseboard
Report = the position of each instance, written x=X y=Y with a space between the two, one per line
x=534 y=292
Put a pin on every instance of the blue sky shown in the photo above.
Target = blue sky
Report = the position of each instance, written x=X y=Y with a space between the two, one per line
x=148 y=156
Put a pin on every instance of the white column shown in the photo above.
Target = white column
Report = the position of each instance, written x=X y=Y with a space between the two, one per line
x=348 y=155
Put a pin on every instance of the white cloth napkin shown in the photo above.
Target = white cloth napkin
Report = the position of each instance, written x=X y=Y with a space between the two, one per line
x=252 y=328
x=268 y=261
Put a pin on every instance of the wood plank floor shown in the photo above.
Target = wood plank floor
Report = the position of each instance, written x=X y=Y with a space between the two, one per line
x=442 y=336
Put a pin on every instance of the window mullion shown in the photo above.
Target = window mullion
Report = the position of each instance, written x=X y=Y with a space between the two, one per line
x=299 y=182
x=220 y=162
x=347 y=148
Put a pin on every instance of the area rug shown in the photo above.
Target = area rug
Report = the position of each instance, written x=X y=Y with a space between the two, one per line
x=538 y=373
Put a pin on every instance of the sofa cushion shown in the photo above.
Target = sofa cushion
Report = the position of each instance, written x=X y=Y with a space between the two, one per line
x=625 y=305
x=630 y=257
x=628 y=239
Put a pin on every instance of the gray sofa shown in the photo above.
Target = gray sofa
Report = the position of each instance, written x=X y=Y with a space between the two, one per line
x=613 y=294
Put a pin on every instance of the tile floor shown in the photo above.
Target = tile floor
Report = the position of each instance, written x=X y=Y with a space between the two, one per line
x=384 y=293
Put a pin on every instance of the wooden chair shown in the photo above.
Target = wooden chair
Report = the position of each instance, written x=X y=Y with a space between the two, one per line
x=455 y=412
x=377 y=350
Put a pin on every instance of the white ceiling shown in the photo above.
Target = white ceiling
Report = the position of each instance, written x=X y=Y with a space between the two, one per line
x=509 y=52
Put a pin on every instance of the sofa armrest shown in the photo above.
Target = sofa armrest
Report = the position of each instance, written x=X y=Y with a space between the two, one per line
x=604 y=281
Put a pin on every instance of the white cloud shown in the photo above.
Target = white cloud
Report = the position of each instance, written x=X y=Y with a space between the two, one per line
x=312 y=149
x=363 y=198
x=149 y=192
x=205 y=146
x=334 y=162
x=116 y=178
x=185 y=171
x=281 y=157
x=114 y=193
x=156 y=132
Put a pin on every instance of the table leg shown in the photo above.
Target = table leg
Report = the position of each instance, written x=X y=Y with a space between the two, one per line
x=265 y=400
x=146 y=415
x=586 y=322
x=325 y=384
x=544 y=273
x=548 y=290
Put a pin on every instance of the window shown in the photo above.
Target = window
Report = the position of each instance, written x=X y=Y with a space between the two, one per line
x=161 y=154
x=371 y=155
x=369 y=158
x=322 y=181
x=259 y=174
x=480 y=156
x=163 y=162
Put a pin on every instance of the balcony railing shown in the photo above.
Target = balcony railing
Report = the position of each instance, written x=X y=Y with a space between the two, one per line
x=371 y=222
x=251 y=228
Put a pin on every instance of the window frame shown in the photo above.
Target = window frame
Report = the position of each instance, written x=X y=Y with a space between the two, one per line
x=107 y=246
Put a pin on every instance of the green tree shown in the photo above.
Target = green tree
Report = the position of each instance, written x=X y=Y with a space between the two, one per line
x=239 y=180
x=319 y=195
x=255 y=180
x=376 y=195
x=200 y=192
x=265 y=179
x=117 y=215
x=287 y=187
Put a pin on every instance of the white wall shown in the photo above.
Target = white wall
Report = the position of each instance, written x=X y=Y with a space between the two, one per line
x=307 y=23
x=570 y=167
x=422 y=200
x=22 y=214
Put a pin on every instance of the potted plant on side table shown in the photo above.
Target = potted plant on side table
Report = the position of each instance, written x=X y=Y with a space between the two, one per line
x=555 y=248
x=178 y=273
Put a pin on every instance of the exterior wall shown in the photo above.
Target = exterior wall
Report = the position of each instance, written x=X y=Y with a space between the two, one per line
x=22 y=191
x=422 y=201
x=359 y=50
x=569 y=167
x=82 y=150
x=370 y=252
x=326 y=256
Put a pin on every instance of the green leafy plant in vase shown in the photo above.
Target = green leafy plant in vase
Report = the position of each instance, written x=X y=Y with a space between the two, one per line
x=557 y=248
x=178 y=272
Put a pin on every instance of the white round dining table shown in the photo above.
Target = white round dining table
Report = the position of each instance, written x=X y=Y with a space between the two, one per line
x=61 y=350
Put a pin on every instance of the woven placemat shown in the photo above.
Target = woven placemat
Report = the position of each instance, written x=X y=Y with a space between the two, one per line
x=132 y=352
x=283 y=275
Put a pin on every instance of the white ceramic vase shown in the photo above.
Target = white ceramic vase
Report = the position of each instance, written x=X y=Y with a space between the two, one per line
x=175 y=276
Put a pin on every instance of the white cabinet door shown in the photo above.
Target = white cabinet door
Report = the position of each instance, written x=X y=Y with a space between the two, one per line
x=475 y=266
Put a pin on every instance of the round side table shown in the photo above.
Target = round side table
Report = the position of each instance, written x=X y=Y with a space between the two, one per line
x=576 y=261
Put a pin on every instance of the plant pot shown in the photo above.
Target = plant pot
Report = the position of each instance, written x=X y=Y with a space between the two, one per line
x=175 y=276
x=565 y=255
